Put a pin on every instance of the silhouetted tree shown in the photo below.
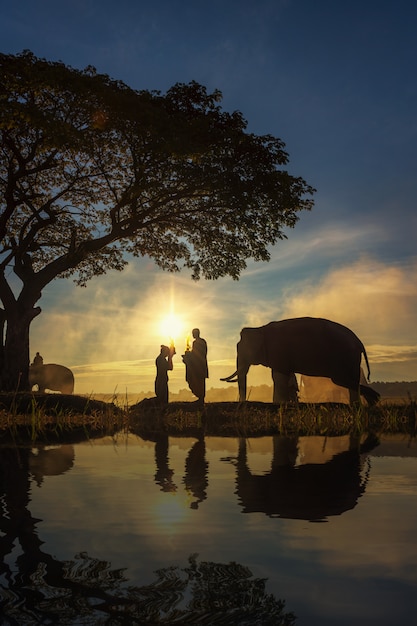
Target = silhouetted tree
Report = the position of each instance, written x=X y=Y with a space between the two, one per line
x=92 y=171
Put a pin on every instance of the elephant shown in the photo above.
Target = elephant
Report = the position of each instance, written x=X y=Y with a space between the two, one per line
x=303 y=345
x=51 y=376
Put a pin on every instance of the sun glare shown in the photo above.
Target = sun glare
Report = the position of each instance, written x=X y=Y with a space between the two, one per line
x=172 y=328
x=170 y=512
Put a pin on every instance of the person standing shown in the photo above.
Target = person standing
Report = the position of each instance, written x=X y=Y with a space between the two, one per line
x=38 y=360
x=163 y=364
x=196 y=366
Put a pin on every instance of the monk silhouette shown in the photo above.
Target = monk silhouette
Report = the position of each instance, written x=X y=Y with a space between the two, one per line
x=163 y=364
x=196 y=368
x=38 y=360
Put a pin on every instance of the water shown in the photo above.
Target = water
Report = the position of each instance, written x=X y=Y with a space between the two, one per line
x=329 y=523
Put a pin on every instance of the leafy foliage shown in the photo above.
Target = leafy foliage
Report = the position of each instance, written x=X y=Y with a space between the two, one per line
x=92 y=170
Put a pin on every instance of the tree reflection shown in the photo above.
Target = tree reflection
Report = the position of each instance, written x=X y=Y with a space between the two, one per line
x=92 y=593
x=312 y=491
x=37 y=588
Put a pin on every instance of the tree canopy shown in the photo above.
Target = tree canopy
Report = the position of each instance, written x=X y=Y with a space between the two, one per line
x=92 y=171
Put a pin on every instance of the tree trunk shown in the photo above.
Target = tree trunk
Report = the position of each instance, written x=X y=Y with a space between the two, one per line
x=15 y=365
x=2 y=326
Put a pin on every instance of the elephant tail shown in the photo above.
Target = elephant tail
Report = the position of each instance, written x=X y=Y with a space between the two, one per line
x=230 y=379
x=367 y=363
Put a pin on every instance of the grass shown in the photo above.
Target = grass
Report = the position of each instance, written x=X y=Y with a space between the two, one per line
x=254 y=419
x=47 y=418
x=55 y=418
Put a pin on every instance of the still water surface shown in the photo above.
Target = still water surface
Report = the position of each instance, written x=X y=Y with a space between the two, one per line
x=329 y=522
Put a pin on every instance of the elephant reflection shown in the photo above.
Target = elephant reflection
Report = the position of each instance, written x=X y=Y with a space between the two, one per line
x=51 y=461
x=299 y=487
x=304 y=345
x=196 y=470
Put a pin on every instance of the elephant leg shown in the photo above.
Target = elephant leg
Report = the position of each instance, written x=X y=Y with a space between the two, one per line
x=241 y=377
x=284 y=451
x=281 y=387
x=371 y=396
x=354 y=396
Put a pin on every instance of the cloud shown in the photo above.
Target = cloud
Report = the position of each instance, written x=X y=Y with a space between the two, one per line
x=394 y=354
x=376 y=299
x=110 y=333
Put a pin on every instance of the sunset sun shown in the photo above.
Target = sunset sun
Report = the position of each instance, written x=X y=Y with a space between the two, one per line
x=172 y=327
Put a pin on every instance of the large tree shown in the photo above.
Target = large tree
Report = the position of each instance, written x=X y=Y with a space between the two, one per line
x=92 y=172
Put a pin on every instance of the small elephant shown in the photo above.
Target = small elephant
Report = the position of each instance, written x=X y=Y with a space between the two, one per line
x=305 y=345
x=53 y=377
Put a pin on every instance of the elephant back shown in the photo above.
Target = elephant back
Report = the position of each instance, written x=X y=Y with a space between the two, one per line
x=53 y=377
x=314 y=347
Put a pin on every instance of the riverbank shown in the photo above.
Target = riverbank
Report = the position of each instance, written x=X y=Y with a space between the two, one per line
x=30 y=418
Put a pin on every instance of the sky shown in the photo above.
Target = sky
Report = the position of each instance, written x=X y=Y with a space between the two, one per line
x=336 y=82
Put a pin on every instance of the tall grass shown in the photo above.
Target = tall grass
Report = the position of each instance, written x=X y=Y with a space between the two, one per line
x=256 y=419
x=66 y=417
x=54 y=417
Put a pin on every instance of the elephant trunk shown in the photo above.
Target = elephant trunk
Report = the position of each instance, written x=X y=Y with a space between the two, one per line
x=240 y=377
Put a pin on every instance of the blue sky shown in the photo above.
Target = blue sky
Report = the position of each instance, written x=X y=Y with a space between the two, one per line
x=336 y=82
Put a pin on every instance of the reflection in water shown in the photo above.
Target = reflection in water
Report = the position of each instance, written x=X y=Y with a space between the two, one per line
x=311 y=491
x=51 y=461
x=164 y=474
x=196 y=470
x=305 y=478
x=196 y=473
x=310 y=478
x=38 y=588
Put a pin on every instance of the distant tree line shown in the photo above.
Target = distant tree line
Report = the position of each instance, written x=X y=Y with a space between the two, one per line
x=403 y=389
x=263 y=393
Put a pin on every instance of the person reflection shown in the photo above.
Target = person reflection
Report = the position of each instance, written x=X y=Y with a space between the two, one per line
x=163 y=475
x=196 y=473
